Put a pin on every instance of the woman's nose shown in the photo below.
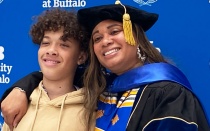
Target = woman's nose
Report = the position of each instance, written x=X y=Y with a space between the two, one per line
x=107 y=41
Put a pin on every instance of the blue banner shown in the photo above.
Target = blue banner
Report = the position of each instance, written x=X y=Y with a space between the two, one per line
x=182 y=34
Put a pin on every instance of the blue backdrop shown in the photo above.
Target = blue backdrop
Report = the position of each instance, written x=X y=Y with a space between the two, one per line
x=182 y=33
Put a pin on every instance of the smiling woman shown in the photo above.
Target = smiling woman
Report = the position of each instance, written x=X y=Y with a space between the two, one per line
x=146 y=88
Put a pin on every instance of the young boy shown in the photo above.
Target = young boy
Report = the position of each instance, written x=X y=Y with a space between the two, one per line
x=57 y=104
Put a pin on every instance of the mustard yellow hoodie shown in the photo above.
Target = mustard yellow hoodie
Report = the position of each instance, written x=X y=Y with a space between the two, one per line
x=64 y=113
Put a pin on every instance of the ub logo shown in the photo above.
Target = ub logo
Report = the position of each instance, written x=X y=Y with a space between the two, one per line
x=142 y=2
x=1 y=52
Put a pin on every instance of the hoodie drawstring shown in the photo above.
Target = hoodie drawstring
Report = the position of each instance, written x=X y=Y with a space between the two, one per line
x=37 y=106
x=61 y=111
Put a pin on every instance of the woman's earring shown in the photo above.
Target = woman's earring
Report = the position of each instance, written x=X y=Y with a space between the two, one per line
x=82 y=61
x=142 y=57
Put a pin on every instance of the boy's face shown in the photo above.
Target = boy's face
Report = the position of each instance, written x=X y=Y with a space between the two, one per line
x=58 y=59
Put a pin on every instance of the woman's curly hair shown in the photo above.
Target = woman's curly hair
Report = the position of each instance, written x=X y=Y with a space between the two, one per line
x=55 y=19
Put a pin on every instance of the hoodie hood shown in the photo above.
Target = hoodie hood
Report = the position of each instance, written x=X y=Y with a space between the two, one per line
x=39 y=98
x=71 y=98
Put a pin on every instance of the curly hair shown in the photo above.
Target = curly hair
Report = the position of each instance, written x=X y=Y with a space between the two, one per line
x=55 y=19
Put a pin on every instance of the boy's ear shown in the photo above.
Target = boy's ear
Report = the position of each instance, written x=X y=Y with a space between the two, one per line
x=82 y=58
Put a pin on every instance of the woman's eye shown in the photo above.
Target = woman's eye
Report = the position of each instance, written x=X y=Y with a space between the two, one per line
x=114 y=32
x=96 y=39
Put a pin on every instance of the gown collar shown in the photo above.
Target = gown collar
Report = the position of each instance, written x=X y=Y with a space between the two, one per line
x=147 y=74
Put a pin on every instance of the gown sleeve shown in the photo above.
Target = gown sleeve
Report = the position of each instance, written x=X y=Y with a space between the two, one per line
x=27 y=83
x=168 y=106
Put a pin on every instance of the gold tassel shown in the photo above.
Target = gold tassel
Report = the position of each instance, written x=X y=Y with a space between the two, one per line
x=127 y=26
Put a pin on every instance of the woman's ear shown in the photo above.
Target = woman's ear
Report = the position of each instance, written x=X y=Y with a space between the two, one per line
x=82 y=58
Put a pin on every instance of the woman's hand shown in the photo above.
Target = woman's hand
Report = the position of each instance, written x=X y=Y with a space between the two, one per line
x=14 y=107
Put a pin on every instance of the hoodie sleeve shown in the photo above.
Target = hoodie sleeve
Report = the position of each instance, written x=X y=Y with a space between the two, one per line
x=5 y=127
x=27 y=83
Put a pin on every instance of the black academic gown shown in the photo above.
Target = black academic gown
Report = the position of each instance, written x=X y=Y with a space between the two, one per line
x=167 y=106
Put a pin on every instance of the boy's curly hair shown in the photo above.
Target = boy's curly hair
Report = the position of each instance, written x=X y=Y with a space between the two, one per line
x=55 y=19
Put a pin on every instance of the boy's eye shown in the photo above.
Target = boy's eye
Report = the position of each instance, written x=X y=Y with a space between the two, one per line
x=44 y=43
x=65 y=45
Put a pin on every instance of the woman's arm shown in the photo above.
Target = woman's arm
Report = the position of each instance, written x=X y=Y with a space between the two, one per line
x=14 y=100
x=27 y=83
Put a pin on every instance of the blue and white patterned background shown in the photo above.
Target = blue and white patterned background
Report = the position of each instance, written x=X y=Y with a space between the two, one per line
x=182 y=33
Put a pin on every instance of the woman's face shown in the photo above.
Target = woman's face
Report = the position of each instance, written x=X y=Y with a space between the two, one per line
x=58 y=59
x=111 y=48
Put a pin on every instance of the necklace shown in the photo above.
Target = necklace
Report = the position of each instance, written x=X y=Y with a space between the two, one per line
x=75 y=87
x=44 y=88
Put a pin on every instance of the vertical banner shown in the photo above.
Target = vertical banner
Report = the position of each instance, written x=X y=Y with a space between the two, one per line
x=182 y=34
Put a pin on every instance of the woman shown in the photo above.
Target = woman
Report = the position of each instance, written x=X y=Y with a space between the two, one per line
x=143 y=91
x=62 y=48
x=148 y=93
